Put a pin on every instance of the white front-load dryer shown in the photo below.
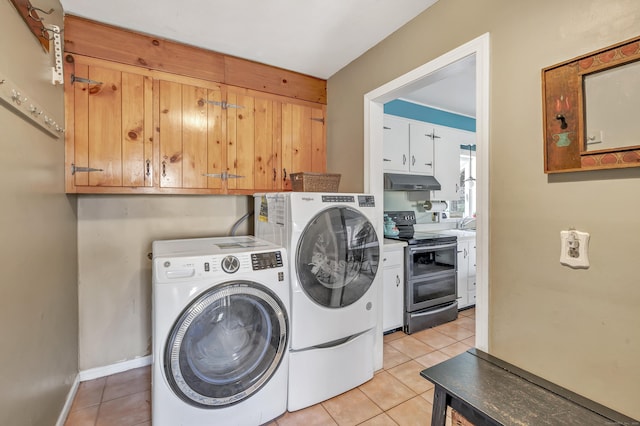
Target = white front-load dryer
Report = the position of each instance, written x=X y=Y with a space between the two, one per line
x=220 y=332
x=334 y=254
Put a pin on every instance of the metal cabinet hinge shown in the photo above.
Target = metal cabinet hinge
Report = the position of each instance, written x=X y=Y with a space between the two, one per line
x=74 y=78
x=222 y=104
x=75 y=169
x=223 y=175
x=432 y=135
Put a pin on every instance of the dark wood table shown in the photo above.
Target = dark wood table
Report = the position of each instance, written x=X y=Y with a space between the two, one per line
x=488 y=391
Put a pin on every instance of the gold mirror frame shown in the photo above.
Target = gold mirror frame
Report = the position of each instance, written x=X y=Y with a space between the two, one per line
x=564 y=113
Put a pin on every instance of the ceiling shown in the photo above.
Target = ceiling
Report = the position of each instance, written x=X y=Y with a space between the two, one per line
x=452 y=88
x=313 y=37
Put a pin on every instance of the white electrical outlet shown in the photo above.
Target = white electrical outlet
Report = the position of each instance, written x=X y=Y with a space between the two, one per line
x=574 y=249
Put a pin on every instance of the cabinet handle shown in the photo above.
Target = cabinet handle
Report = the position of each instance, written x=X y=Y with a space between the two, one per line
x=284 y=174
x=274 y=174
x=404 y=159
x=429 y=164
x=433 y=135
x=148 y=168
x=465 y=253
x=397 y=281
x=413 y=160
x=164 y=169
x=385 y=159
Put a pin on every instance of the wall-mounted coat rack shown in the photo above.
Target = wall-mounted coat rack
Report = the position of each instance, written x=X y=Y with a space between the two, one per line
x=16 y=100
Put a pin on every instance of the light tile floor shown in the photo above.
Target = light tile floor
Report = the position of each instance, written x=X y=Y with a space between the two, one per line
x=396 y=395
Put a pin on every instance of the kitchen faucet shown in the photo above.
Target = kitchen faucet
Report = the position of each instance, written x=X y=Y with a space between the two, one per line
x=466 y=221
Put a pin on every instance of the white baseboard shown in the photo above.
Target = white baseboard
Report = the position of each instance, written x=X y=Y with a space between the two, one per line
x=119 y=367
x=69 y=401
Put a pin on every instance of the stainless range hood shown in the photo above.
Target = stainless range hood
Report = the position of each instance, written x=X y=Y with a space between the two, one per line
x=401 y=182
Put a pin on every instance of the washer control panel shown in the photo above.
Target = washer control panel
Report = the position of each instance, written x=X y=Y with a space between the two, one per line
x=200 y=267
x=268 y=260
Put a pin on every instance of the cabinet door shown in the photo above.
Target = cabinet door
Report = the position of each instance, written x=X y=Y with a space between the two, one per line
x=303 y=141
x=447 y=163
x=472 y=258
x=393 y=290
x=395 y=145
x=190 y=129
x=463 y=273
x=421 y=148
x=241 y=136
x=110 y=124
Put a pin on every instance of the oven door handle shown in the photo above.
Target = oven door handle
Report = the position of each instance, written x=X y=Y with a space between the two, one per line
x=431 y=311
x=422 y=249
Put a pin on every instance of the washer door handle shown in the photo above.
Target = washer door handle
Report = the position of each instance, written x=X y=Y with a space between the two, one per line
x=181 y=273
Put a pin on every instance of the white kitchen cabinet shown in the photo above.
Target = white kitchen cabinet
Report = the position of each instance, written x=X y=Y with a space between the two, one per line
x=395 y=146
x=447 y=160
x=421 y=148
x=393 y=286
x=466 y=272
x=407 y=146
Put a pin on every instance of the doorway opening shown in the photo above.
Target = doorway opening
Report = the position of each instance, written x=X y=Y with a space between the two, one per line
x=373 y=158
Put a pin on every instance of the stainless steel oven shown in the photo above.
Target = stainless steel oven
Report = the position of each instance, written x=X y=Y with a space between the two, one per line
x=430 y=275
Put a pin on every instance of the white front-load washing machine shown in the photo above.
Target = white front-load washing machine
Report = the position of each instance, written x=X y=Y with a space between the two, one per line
x=220 y=331
x=334 y=253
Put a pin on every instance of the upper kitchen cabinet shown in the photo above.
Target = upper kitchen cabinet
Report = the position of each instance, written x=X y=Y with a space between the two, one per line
x=407 y=146
x=303 y=140
x=253 y=141
x=234 y=140
x=109 y=127
x=190 y=135
x=146 y=115
x=421 y=145
x=447 y=167
x=447 y=161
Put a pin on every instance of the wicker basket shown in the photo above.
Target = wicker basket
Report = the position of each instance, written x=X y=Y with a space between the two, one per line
x=315 y=182
x=458 y=420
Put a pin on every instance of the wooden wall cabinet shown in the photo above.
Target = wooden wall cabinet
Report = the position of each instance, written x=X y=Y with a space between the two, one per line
x=132 y=130
x=303 y=141
x=109 y=126
x=148 y=115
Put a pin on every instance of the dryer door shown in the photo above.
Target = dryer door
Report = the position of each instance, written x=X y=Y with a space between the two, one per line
x=226 y=344
x=337 y=257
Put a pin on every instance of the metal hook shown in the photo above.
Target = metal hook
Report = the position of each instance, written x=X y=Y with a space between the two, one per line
x=30 y=8
x=44 y=31
x=563 y=121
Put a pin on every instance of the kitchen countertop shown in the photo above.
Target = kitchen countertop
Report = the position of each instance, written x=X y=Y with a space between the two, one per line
x=462 y=234
x=389 y=242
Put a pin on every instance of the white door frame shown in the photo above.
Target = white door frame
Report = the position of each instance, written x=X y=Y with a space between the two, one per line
x=373 y=165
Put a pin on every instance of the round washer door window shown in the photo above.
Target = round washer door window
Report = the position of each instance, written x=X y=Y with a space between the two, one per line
x=226 y=344
x=337 y=257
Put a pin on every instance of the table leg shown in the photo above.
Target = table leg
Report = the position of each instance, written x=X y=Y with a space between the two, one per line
x=438 y=416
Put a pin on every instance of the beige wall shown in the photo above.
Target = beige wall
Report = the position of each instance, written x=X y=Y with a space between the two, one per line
x=114 y=237
x=578 y=328
x=38 y=288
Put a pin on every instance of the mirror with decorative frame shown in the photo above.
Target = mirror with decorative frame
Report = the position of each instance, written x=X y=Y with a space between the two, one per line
x=590 y=106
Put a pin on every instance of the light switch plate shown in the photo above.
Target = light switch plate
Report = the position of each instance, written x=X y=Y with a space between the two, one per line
x=574 y=249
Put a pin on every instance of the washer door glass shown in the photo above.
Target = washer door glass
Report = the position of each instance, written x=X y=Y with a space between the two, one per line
x=226 y=344
x=337 y=257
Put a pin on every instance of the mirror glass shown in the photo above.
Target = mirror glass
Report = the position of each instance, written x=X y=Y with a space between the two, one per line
x=612 y=102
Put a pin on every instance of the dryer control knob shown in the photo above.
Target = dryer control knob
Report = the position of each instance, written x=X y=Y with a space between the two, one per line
x=230 y=264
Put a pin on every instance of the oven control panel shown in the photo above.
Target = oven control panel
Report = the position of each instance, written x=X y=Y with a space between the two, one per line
x=402 y=217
